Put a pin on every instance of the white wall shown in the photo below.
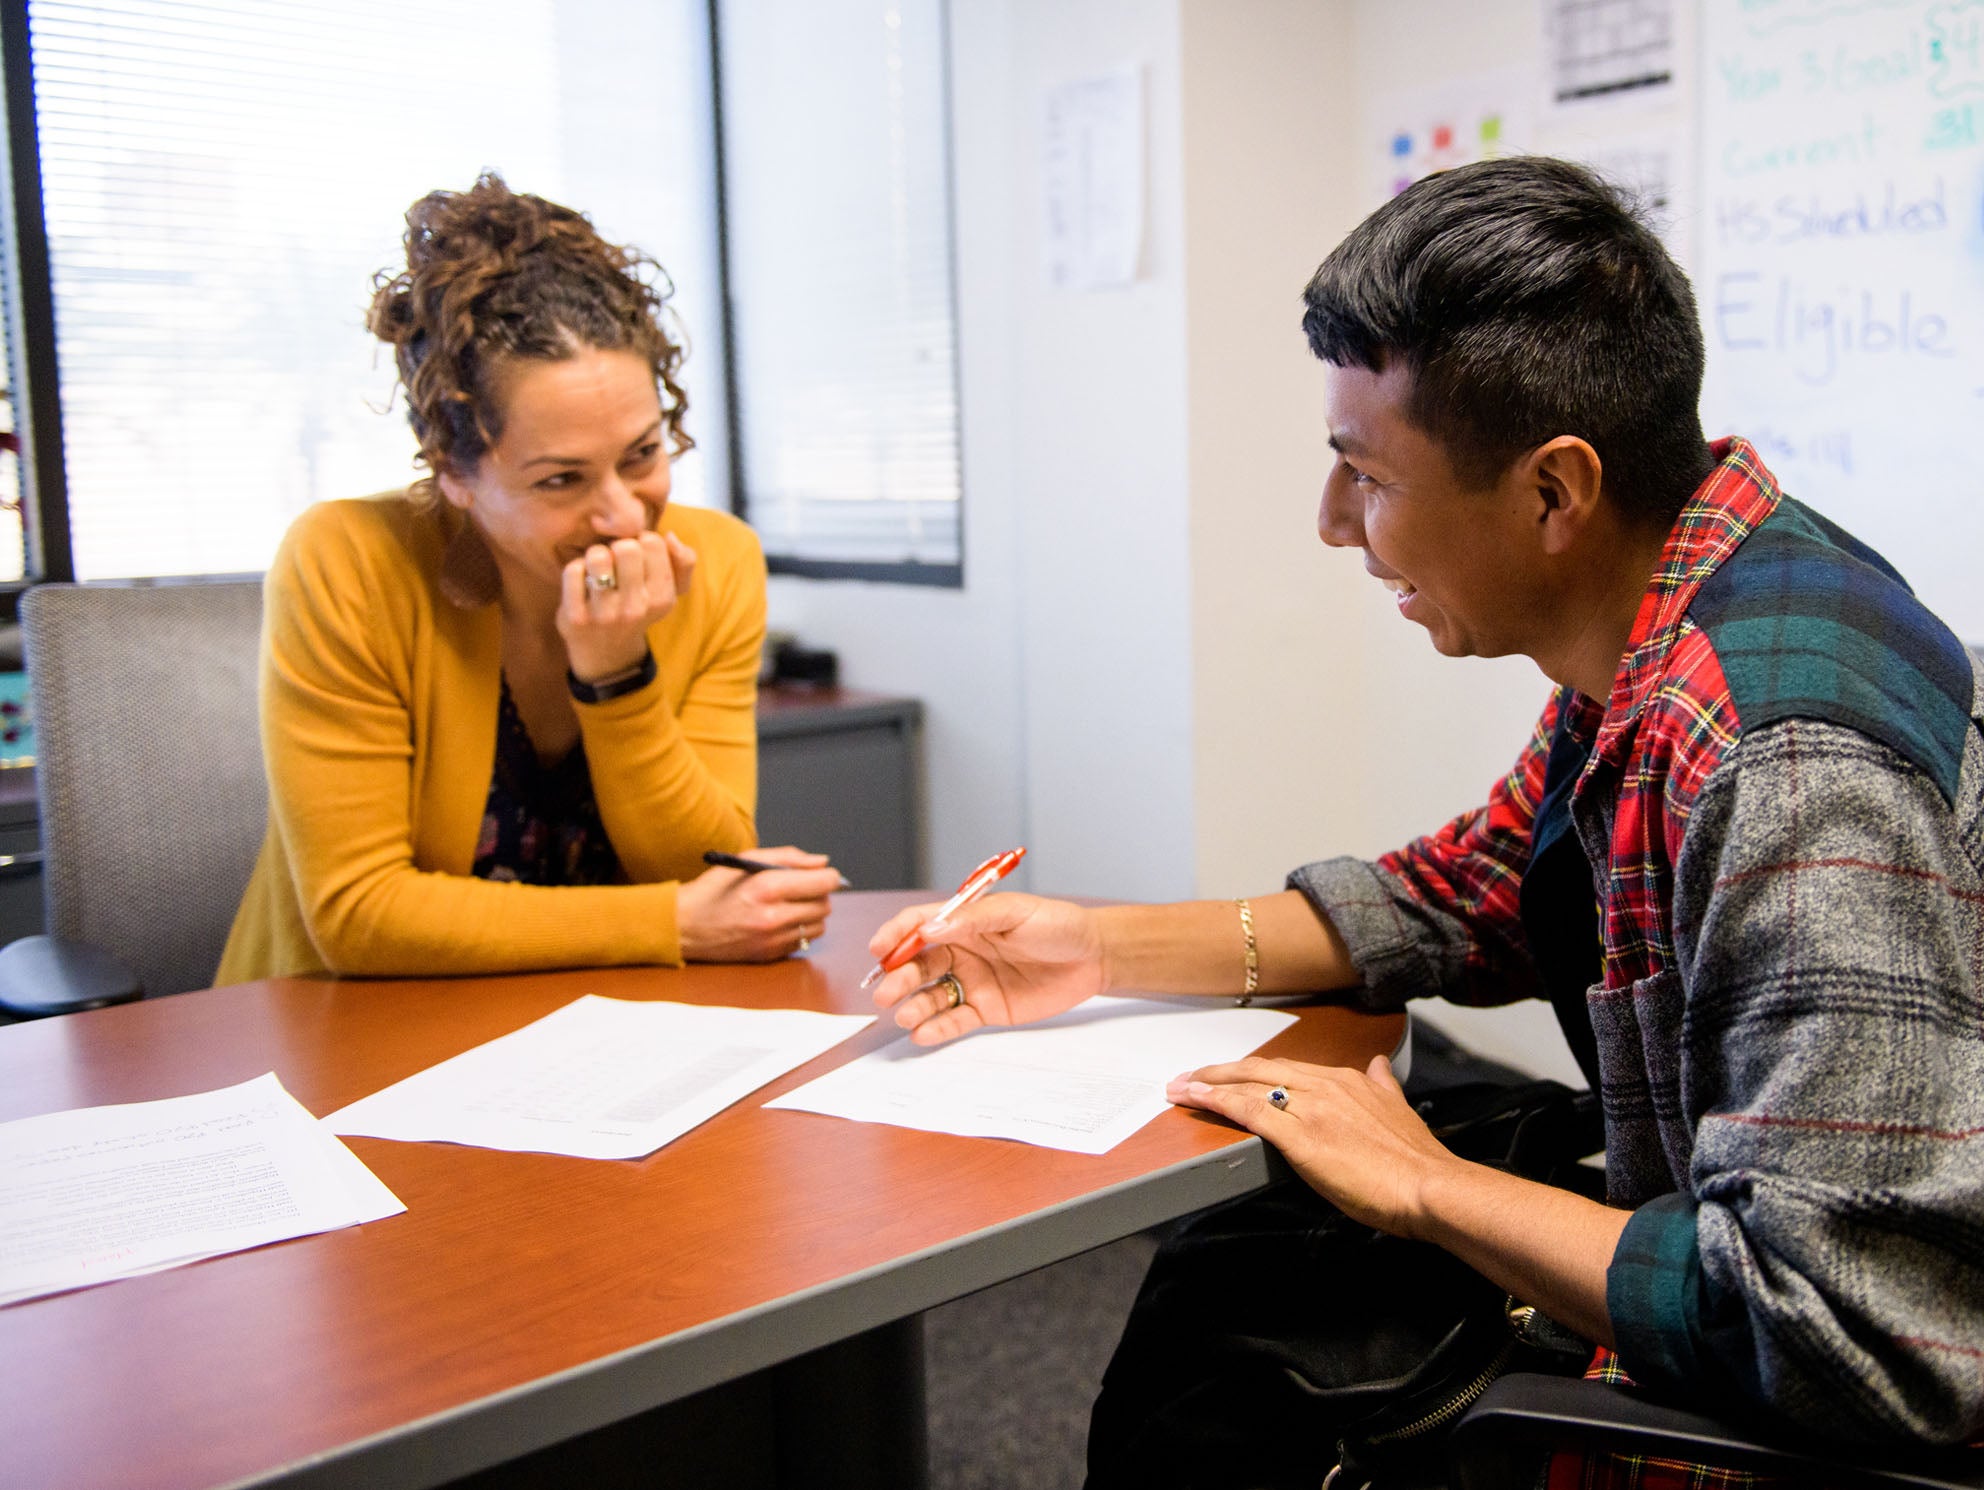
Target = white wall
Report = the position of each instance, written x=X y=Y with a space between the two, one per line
x=1106 y=570
x=1156 y=676
x=1323 y=724
x=1269 y=101
x=958 y=651
x=1057 y=684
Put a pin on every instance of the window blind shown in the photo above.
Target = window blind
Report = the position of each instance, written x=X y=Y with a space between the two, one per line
x=838 y=242
x=222 y=178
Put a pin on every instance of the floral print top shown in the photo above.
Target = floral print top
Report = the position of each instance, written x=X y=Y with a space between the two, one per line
x=541 y=825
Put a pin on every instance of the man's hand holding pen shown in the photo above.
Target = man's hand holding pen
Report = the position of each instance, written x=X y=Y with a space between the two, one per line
x=1014 y=959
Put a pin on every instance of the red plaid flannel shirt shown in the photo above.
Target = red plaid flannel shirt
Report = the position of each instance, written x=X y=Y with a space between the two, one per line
x=1666 y=726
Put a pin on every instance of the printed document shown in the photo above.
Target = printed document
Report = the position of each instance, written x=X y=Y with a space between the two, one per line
x=598 y=1079
x=110 y=1192
x=1084 y=1080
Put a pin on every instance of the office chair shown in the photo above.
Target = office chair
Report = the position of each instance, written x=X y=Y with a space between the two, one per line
x=1496 y=1446
x=153 y=797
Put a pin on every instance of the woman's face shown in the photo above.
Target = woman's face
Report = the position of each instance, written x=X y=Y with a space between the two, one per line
x=581 y=461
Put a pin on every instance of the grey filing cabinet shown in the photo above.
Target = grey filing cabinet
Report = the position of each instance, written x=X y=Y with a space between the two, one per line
x=20 y=856
x=838 y=772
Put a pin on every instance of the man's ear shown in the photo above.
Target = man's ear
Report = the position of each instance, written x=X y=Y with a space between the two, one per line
x=1566 y=476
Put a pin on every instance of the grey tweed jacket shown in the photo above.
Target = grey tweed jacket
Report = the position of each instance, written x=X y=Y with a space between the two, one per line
x=1795 y=1104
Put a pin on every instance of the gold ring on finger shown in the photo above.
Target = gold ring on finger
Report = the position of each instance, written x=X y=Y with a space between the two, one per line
x=950 y=981
x=607 y=581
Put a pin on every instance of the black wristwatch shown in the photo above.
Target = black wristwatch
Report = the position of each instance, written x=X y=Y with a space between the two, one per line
x=614 y=687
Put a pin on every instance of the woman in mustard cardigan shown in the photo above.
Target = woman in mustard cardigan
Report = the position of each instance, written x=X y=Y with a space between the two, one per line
x=506 y=710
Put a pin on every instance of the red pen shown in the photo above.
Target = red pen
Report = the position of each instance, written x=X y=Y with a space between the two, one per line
x=981 y=879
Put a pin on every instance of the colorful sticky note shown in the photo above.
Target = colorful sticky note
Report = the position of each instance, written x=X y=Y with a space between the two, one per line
x=16 y=721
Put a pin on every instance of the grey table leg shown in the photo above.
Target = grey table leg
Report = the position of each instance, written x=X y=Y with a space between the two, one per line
x=850 y=1416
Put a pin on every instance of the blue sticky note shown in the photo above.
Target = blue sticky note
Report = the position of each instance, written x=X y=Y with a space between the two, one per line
x=16 y=721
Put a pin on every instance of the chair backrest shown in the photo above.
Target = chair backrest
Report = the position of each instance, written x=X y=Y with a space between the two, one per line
x=148 y=762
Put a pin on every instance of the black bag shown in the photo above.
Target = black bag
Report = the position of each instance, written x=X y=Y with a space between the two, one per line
x=1276 y=1341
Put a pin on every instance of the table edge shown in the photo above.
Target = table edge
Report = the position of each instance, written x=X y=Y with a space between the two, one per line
x=520 y=1419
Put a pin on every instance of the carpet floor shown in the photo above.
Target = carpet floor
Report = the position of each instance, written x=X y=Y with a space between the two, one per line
x=1012 y=1371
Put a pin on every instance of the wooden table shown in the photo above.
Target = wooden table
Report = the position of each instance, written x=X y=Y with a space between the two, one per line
x=525 y=1298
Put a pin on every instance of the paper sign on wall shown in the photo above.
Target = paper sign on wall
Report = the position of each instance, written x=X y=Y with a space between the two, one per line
x=1092 y=175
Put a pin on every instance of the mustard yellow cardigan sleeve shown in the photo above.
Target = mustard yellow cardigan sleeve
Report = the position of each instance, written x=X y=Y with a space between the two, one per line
x=378 y=720
x=682 y=757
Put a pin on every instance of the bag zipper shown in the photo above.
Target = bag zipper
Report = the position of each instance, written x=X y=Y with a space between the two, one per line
x=1518 y=1317
x=1454 y=1406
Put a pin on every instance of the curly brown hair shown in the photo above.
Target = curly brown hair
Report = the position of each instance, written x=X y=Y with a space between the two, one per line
x=494 y=275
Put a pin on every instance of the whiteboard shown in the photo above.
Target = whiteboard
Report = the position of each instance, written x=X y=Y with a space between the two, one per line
x=1840 y=266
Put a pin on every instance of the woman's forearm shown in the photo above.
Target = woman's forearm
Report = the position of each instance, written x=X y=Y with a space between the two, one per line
x=409 y=923
x=663 y=801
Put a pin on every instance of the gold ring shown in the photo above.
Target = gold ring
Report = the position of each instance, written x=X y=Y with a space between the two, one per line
x=607 y=581
x=950 y=980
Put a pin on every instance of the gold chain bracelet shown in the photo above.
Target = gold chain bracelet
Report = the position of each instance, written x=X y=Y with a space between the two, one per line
x=1253 y=955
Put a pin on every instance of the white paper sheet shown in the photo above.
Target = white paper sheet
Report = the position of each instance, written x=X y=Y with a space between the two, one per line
x=598 y=1079
x=109 y=1192
x=1083 y=1081
x=1608 y=53
x=1092 y=181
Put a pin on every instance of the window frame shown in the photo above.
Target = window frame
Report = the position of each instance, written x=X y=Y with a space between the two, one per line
x=32 y=373
x=902 y=572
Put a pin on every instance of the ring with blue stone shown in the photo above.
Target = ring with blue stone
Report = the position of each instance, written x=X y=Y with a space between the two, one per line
x=1279 y=1098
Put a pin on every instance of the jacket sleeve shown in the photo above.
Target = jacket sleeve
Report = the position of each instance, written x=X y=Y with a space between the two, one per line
x=1442 y=915
x=1826 y=1263
x=338 y=670
x=672 y=782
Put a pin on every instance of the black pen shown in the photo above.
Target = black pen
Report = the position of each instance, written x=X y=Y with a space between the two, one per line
x=756 y=866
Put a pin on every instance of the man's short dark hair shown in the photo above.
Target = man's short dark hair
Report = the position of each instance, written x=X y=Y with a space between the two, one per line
x=1528 y=300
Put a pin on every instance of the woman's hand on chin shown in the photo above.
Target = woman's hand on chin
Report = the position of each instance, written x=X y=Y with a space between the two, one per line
x=728 y=915
x=605 y=624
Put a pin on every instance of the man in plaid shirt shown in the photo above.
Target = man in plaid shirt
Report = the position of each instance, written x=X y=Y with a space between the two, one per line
x=1743 y=853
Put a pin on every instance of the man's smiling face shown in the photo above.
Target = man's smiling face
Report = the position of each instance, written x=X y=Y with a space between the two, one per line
x=1461 y=562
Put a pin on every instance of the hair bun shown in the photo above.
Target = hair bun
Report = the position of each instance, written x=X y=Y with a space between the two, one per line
x=492 y=275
